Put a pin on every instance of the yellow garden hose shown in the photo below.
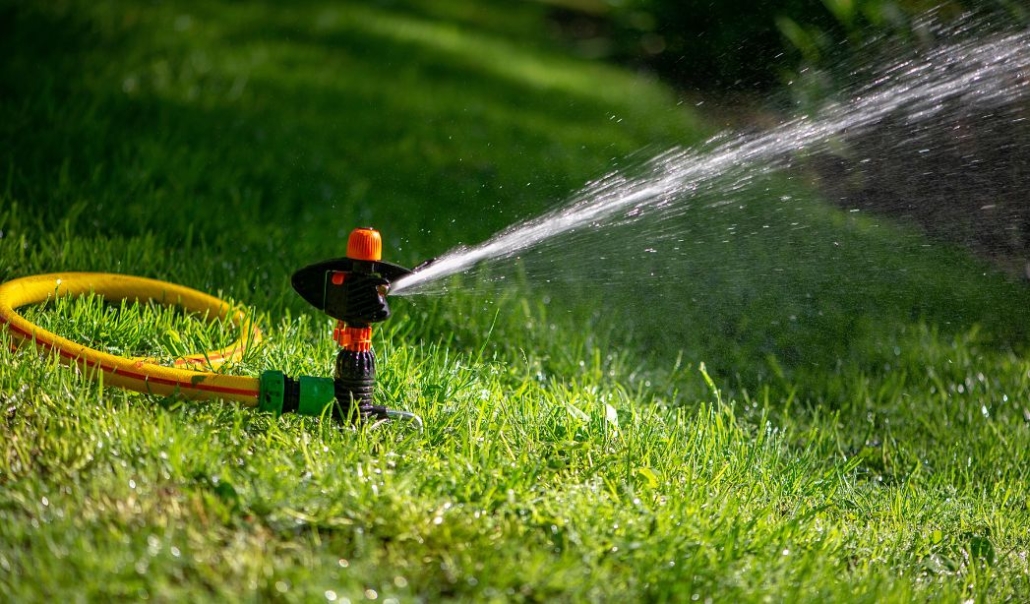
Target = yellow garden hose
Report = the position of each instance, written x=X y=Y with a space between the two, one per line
x=139 y=374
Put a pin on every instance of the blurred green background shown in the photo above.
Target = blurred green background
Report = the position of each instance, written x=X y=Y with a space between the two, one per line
x=306 y=119
x=743 y=45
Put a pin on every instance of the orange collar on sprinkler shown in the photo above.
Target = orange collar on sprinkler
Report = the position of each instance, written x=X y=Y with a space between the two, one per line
x=353 y=291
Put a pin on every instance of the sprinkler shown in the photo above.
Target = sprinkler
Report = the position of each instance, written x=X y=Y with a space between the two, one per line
x=351 y=290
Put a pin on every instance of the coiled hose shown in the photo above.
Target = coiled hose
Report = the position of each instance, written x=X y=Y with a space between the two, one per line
x=139 y=374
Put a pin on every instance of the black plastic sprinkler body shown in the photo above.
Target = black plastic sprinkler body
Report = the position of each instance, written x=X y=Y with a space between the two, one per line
x=353 y=291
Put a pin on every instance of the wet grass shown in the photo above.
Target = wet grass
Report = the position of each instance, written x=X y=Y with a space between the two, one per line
x=222 y=146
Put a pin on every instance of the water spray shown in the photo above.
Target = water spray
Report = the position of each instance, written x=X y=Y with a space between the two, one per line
x=351 y=290
x=978 y=75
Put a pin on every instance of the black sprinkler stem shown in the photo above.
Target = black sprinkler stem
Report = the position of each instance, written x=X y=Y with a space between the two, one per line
x=354 y=383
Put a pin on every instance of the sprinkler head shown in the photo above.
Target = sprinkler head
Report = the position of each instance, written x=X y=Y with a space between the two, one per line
x=351 y=289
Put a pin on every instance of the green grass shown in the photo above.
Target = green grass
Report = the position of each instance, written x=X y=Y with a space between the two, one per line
x=874 y=450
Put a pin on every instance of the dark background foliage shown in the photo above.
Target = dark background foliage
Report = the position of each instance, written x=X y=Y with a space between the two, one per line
x=744 y=44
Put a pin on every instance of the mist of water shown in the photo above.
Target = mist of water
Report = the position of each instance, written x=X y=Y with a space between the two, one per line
x=977 y=74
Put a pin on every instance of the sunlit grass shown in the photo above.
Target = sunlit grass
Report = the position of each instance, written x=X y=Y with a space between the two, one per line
x=130 y=329
x=517 y=487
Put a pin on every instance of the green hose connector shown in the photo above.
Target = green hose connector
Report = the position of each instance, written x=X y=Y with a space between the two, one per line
x=315 y=395
x=305 y=395
x=271 y=392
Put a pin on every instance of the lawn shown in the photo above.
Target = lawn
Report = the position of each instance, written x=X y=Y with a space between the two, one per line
x=838 y=412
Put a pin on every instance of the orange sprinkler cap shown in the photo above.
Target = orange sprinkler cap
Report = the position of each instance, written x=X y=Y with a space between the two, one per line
x=365 y=244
